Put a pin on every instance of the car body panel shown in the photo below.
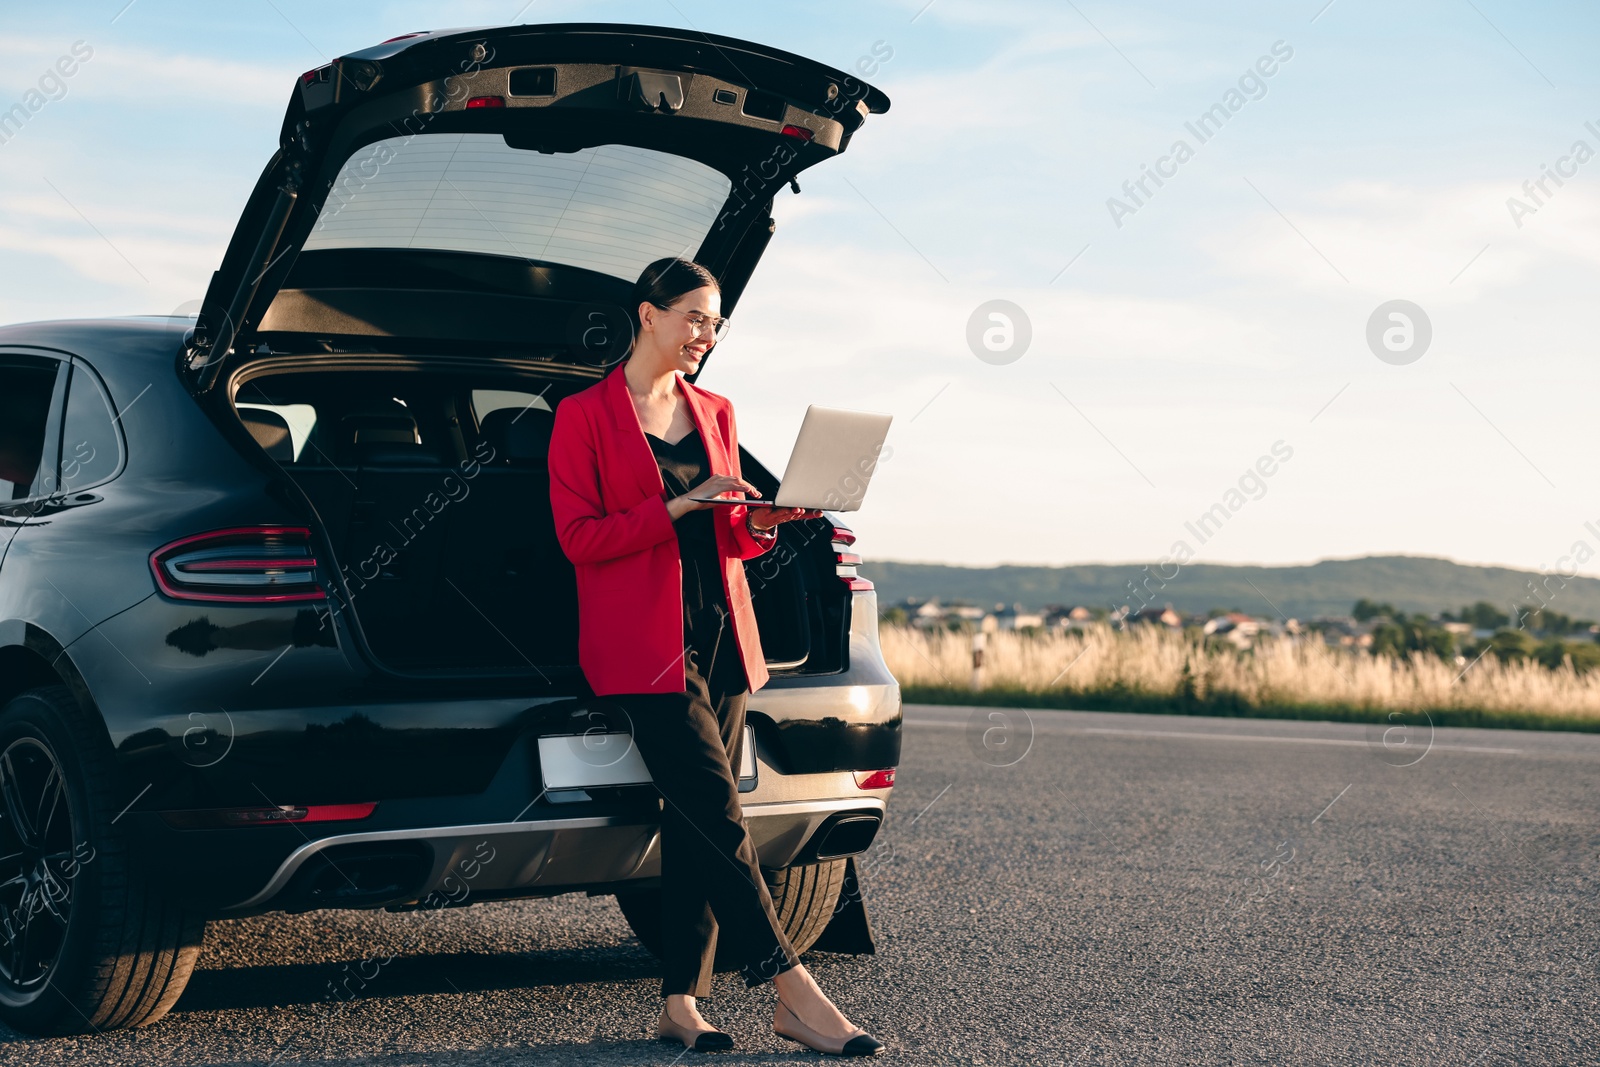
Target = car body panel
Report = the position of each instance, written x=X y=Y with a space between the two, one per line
x=82 y=556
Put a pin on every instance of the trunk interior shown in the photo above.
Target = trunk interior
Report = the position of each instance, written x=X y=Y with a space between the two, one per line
x=432 y=489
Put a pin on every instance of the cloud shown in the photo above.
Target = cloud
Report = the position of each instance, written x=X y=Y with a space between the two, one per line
x=1387 y=238
x=879 y=314
x=149 y=261
x=132 y=74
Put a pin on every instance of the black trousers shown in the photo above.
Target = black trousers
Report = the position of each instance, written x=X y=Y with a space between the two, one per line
x=710 y=881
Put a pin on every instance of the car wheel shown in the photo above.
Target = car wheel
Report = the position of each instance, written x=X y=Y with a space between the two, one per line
x=804 y=898
x=85 y=943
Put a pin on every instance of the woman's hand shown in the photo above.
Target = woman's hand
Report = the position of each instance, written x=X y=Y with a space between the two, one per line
x=716 y=485
x=767 y=518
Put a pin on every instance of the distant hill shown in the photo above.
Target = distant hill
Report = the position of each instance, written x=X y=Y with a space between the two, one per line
x=1329 y=587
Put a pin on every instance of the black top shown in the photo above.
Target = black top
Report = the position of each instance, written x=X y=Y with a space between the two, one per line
x=685 y=465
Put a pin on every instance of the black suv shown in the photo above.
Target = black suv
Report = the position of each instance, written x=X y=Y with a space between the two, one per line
x=283 y=619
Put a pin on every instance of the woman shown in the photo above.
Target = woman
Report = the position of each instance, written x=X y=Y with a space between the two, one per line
x=680 y=655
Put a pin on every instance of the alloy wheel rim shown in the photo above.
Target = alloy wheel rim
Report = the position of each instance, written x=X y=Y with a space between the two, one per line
x=37 y=866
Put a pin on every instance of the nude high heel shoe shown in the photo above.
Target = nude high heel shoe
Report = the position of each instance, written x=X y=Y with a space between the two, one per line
x=857 y=1043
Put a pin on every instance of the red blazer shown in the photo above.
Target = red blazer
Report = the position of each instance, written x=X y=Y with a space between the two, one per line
x=611 y=518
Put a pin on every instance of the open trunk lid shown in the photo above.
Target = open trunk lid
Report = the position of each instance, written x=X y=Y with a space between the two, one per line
x=502 y=188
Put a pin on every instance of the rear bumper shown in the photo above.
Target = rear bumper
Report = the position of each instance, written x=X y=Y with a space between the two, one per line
x=442 y=865
x=516 y=838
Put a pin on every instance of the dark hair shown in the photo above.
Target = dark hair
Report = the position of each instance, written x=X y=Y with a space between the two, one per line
x=666 y=280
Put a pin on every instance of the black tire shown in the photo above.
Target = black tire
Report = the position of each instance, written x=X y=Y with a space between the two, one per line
x=804 y=898
x=109 y=951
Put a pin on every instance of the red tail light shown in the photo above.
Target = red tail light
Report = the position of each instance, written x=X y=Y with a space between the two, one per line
x=486 y=101
x=211 y=818
x=875 y=779
x=243 y=564
x=798 y=132
x=846 y=561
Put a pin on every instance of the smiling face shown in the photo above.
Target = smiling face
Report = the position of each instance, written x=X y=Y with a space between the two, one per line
x=670 y=331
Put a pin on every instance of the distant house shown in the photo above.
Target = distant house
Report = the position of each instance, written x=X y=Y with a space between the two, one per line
x=929 y=613
x=1059 y=617
x=923 y=612
x=1158 y=616
x=1235 y=627
x=1015 y=618
x=1340 y=631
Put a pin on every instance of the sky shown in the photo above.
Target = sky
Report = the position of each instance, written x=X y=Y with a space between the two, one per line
x=1220 y=338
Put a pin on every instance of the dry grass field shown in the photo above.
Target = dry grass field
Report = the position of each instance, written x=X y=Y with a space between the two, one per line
x=1149 y=669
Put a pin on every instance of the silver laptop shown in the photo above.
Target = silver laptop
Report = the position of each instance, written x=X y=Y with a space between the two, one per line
x=832 y=461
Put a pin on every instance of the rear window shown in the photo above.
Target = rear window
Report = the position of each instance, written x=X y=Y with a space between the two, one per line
x=487 y=400
x=301 y=419
x=91 y=448
x=611 y=209
x=26 y=386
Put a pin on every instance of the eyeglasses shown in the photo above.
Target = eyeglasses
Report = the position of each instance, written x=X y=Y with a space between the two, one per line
x=701 y=323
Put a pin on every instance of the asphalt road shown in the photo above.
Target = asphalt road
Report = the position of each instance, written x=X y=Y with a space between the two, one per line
x=1062 y=888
